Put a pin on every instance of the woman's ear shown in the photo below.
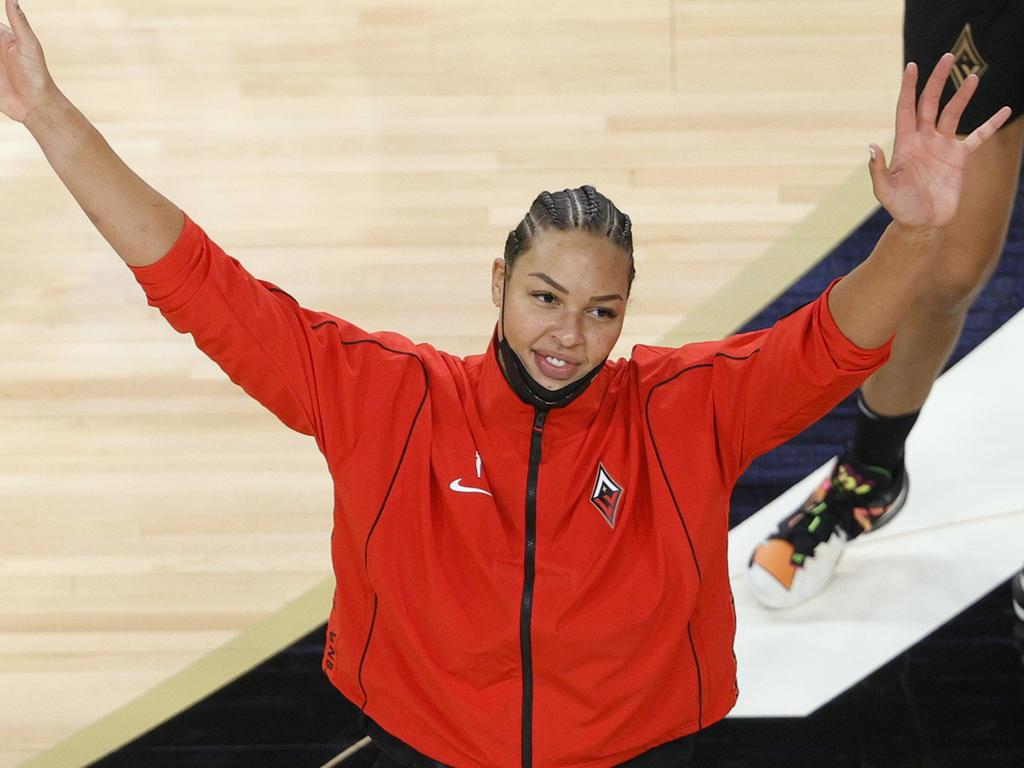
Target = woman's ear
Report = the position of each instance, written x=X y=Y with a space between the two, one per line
x=498 y=281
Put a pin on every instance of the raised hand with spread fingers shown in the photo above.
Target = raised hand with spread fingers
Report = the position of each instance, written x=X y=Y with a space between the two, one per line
x=138 y=222
x=920 y=189
x=25 y=82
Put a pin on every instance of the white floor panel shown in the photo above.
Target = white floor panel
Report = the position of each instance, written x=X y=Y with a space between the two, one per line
x=960 y=534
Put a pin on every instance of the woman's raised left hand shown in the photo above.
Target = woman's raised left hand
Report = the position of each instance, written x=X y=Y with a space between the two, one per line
x=921 y=187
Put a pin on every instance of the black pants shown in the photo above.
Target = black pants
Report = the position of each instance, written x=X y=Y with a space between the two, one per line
x=674 y=754
x=385 y=762
x=678 y=759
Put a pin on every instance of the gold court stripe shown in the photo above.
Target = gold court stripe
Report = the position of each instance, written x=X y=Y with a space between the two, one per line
x=201 y=678
x=766 y=277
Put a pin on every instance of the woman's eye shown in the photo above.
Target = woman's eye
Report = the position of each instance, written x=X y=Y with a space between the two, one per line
x=604 y=313
x=545 y=297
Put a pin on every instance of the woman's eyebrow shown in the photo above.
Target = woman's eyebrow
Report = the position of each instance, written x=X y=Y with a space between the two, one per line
x=547 y=279
x=550 y=282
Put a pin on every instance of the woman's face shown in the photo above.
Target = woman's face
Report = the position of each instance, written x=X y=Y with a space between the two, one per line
x=564 y=301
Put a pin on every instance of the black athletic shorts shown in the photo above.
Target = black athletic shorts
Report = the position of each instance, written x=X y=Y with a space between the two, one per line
x=677 y=759
x=395 y=753
x=987 y=38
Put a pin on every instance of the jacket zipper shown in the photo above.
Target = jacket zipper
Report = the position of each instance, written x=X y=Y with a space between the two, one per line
x=526 y=608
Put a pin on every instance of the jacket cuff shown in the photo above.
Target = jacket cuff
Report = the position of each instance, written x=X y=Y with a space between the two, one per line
x=170 y=272
x=844 y=352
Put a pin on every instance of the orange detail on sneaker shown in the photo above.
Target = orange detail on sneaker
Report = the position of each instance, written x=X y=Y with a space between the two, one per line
x=776 y=557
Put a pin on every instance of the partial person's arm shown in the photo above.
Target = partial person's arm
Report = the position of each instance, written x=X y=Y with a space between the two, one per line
x=320 y=375
x=921 y=191
x=139 y=223
x=769 y=385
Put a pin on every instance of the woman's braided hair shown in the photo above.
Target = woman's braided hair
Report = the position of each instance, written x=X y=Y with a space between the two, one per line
x=580 y=208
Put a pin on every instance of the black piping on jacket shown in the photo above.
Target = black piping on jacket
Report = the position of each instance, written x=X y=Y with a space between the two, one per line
x=682 y=520
x=529 y=572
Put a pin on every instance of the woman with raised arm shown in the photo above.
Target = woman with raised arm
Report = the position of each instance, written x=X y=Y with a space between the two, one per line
x=529 y=543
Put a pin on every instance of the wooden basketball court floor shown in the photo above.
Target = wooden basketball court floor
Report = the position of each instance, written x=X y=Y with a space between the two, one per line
x=161 y=533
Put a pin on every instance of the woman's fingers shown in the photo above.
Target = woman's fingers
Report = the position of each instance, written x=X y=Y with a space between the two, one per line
x=879 y=173
x=954 y=109
x=8 y=99
x=906 y=111
x=22 y=31
x=985 y=131
x=928 y=106
x=7 y=43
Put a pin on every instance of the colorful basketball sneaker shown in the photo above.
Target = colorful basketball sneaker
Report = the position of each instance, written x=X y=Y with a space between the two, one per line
x=796 y=562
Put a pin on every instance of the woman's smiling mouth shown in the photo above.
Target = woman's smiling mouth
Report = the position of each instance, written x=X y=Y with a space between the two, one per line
x=554 y=366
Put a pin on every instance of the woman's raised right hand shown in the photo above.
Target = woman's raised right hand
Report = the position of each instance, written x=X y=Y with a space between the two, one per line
x=25 y=82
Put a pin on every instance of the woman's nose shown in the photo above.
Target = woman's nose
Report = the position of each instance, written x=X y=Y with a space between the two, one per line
x=570 y=330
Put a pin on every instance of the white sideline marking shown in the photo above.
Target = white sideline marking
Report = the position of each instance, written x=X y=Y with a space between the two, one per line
x=960 y=534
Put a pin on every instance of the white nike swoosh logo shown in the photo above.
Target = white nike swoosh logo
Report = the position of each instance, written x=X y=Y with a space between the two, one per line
x=456 y=485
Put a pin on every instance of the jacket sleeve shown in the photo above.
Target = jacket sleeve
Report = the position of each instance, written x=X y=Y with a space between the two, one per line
x=772 y=384
x=312 y=370
x=756 y=390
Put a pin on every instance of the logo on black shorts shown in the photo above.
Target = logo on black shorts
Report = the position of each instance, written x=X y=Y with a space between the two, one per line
x=607 y=495
x=968 y=59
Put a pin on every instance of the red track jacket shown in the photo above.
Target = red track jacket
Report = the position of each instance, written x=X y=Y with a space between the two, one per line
x=518 y=587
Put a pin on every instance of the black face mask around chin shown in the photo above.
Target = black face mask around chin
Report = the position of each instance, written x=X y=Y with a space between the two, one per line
x=529 y=390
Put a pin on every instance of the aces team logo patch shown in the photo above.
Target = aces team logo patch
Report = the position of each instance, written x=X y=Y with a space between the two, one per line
x=607 y=495
x=968 y=58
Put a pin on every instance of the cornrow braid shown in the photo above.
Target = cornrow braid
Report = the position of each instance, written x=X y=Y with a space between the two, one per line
x=550 y=207
x=574 y=204
x=528 y=220
x=512 y=241
x=581 y=208
x=591 y=195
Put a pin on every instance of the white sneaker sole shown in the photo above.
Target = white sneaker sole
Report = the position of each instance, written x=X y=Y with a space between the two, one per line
x=770 y=589
x=805 y=583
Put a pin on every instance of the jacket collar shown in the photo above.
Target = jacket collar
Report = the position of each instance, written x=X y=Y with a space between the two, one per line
x=501 y=407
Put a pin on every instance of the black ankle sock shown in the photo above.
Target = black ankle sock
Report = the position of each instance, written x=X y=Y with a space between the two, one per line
x=878 y=440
